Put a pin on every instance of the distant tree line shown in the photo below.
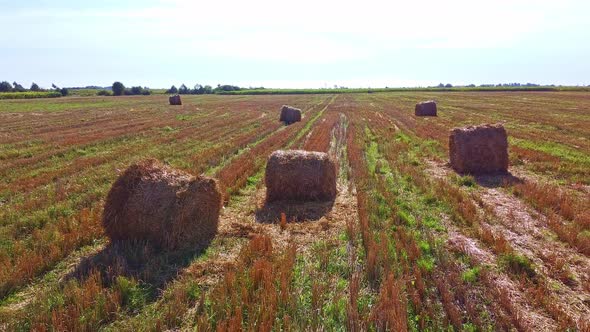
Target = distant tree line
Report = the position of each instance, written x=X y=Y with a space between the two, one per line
x=441 y=85
x=199 y=89
x=449 y=85
x=119 y=89
x=16 y=87
x=508 y=85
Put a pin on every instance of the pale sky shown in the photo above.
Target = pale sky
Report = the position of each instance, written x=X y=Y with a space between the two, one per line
x=303 y=43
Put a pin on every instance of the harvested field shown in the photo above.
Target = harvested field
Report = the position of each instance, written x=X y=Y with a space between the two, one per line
x=406 y=244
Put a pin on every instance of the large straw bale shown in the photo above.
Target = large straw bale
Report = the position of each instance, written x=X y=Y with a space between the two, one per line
x=165 y=207
x=175 y=100
x=300 y=176
x=290 y=114
x=479 y=149
x=426 y=108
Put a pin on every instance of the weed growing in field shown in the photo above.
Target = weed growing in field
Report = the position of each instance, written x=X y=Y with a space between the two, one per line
x=470 y=275
x=466 y=180
x=518 y=264
x=133 y=294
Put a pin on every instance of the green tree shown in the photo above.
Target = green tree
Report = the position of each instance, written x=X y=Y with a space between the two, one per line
x=227 y=87
x=18 y=87
x=198 y=89
x=136 y=90
x=5 y=87
x=118 y=89
x=172 y=90
x=35 y=87
x=183 y=89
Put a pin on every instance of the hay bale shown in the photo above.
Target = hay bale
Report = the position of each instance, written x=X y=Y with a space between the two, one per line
x=300 y=176
x=426 y=108
x=290 y=114
x=168 y=208
x=479 y=149
x=175 y=100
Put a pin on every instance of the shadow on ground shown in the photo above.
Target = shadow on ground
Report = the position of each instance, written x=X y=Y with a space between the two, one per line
x=295 y=211
x=497 y=180
x=152 y=266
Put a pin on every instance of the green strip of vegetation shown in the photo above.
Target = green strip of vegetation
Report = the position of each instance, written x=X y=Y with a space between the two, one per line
x=555 y=149
x=369 y=90
x=29 y=95
x=310 y=123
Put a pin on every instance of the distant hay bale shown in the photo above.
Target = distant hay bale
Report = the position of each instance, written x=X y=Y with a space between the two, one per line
x=300 y=176
x=168 y=208
x=426 y=108
x=479 y=149
x=175 y=100
x=290 y=114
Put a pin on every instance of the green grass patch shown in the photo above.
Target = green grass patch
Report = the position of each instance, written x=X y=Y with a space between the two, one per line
x=466 y=181
x=470 y=275
x=555 y=149
x=133 y=294
x=326 y=268
x=518 y=264
x=29 y=95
